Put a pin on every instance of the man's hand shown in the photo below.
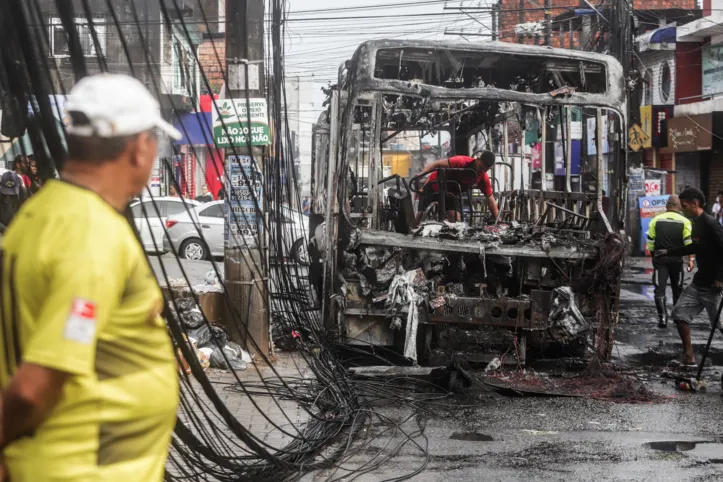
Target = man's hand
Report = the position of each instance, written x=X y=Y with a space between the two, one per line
x=661 y=252
x=691 y=265
x=718 y=284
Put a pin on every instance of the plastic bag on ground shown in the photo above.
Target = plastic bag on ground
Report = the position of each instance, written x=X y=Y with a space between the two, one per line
x=241 y=353
x=218 y=361
x=192 y=318
x=209 y=335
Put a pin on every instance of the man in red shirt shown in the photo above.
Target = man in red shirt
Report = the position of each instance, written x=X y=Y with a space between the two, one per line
x=481 y=164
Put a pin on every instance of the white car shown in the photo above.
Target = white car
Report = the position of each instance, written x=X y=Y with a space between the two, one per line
x=151 y=223
x=183 y=232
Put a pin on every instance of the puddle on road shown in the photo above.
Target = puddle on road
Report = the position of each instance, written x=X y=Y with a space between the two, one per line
x=471 y=437
x=674 y=446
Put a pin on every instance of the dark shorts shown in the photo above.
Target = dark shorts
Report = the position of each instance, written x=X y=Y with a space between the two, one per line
x=693 y=301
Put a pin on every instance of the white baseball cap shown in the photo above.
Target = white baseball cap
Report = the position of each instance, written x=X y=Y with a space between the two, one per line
x=116 y=105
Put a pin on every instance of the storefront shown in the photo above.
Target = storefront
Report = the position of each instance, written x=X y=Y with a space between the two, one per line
x=198 y=161
x=690 y=145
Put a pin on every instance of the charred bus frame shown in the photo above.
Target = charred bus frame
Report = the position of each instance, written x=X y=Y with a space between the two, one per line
x=470 y=91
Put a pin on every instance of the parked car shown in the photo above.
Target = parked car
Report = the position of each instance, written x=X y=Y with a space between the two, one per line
x=295 y=226
x=151 y=224
x=184 y=237
x=183 y=233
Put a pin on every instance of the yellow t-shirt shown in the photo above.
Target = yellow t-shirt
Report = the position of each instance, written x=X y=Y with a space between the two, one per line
x=78 y=296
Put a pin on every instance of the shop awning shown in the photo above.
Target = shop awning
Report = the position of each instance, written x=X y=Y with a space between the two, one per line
x=195 y=127
x=663 y=38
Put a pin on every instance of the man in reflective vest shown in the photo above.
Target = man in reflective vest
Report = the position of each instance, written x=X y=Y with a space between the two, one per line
x=670 y=230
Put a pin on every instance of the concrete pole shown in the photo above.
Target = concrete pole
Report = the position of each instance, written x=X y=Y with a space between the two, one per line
x=245 y=267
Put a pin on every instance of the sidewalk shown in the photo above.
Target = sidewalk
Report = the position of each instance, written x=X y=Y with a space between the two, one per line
x=260 y=413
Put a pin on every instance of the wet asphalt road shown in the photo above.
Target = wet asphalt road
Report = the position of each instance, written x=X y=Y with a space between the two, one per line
x=500 y=438
x=497 y=438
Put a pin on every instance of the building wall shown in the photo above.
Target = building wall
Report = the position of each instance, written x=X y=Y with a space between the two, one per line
x=212 y=57
x=510 y=17
x=689 y=73
x=715 y=179
x=655 y=61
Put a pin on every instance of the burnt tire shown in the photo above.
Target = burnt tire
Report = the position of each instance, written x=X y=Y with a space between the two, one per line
x=194 y=249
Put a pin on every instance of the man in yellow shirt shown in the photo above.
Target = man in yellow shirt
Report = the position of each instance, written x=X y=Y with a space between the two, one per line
x=87 y=371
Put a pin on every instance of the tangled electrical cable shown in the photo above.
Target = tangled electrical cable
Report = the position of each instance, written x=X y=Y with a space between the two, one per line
x=210 y=442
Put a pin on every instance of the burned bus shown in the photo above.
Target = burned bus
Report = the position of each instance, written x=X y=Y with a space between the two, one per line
x=387 y=273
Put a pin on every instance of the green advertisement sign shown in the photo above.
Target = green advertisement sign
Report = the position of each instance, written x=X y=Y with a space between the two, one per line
x=231 y=123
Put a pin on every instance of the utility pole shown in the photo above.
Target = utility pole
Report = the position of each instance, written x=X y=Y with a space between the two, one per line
x=245 y=265
x=495 y=21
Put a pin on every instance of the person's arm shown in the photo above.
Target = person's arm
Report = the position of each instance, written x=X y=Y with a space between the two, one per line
x=82 y=295
x=31 y=396
x=650 y=244
x=492 y=203
x=435 y=165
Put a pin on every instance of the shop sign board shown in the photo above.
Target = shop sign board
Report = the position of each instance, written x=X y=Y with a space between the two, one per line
x=690 y=133
x=652 y=187
x=650 y=206
x=231 y=123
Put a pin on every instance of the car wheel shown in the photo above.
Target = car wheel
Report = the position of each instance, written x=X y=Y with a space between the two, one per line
x=194 y=249
x=300 y=252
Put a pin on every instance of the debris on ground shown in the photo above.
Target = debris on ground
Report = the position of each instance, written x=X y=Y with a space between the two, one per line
x=611 y=386
x=566 y=321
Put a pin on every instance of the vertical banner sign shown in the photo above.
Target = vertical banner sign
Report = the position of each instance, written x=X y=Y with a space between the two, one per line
x=243 y=184
x=649 y=208
x=646 y=123
x=231 y=123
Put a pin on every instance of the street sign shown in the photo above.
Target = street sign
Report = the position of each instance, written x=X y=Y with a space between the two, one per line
x=637 y=138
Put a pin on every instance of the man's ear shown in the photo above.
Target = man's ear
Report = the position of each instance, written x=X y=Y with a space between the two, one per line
x=140 y=147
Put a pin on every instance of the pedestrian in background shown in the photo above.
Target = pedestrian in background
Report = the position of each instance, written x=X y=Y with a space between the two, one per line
x=670 y=230
x=21 y=167
x=87 y=374
x=704 y=293
x=716 y=210
x=12 y=196
x=206 y=197
x=35 y=182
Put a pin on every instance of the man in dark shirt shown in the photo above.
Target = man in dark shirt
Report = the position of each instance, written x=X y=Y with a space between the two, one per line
x=206 y=197
x=670 y=230
x=705 y=290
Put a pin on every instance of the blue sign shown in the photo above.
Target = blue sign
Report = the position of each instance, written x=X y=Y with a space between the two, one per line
x=649 y=208
x=244 y=189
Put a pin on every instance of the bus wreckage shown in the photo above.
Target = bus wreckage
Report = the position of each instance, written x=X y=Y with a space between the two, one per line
x=540 y=277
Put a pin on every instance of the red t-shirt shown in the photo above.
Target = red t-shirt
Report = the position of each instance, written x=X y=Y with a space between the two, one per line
x=466 y=181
